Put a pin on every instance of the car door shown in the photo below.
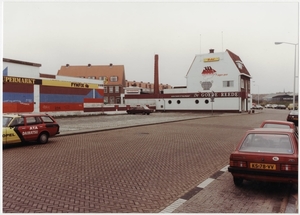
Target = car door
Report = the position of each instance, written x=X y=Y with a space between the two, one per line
x=30 y=131
x=51 y=126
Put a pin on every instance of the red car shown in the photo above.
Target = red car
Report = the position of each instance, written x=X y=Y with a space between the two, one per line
x=266 y=154
x=140 y=109
x=293 y=117
x=277 y=124
x=28 y=127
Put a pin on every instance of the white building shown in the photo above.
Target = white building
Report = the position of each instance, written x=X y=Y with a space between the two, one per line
x=215 y=81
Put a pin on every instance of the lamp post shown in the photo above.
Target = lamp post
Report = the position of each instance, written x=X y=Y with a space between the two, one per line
x=257 y=92
x=295 y=68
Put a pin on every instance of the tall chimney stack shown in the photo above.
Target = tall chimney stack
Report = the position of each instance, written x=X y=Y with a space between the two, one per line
x=156 y=82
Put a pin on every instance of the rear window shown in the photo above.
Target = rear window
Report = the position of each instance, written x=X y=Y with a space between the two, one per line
x=47 y=119
x=267 y=143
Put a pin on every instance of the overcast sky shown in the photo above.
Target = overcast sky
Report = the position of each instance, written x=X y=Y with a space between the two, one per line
x=131 y=33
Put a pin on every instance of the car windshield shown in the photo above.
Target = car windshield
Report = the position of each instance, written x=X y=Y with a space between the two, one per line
x=6 y=121
x=270 y=125
x=267 y=143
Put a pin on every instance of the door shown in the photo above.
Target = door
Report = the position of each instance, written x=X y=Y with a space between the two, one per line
x=32 y=128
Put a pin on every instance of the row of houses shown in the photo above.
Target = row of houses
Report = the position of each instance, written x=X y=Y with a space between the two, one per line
x=214 y=80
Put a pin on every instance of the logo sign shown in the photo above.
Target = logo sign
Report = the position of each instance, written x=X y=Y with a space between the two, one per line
x=18 y=80
x=275 y=158
x=211 y=59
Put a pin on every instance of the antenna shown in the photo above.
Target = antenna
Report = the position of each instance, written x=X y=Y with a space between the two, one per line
x=222 y=41
x=200 y=44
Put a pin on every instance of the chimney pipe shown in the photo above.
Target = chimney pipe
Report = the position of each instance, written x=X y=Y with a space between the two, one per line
x=156 y=82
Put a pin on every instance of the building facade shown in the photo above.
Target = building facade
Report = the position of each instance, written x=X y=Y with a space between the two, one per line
x=25 y=90
x=113 y=77
x=214 y=81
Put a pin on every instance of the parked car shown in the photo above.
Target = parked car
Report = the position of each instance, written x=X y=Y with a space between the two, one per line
x=277 y=124
x=268 y=106
x=269 y=155
x=258 y=107
x=293 y=117
x=290 y=106
x=28 y=127
x=280 y=107
x=140 y=109
x=274 y=106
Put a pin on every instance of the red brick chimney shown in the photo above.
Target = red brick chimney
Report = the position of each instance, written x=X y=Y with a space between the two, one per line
x=156 y=82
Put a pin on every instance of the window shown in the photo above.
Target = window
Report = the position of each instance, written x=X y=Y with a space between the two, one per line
x=260 y=143
x=227 y=83
x=197 y=101
x=46 y=119
x=105 y=99
x=240 y=64
x=113 y=78
x=17 y=121
x=242 y=83
x=117 y=89
x=33 y=120
x=178 y=101
x=104 y=79
x=111 y=89
x=170 y=102
x=91 y=77
x=6 y=120
x=105 y=89
x=111 y=100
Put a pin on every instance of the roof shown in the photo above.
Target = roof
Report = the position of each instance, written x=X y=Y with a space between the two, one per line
x=238 y=60
x=278 y=122
x=21 y=62
x=271 y=130
x=95 y=71
x=25 y=114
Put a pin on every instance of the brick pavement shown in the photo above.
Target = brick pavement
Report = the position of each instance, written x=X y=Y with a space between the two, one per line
x=145 y=171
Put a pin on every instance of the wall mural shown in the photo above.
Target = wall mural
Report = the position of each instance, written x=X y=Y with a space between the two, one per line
x=208 y=73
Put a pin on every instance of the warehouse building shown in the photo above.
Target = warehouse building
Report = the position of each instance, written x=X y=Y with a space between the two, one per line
x=26 y=90
x=214 y=81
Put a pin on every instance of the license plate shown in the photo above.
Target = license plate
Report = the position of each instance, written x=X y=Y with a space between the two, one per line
x=263 y=166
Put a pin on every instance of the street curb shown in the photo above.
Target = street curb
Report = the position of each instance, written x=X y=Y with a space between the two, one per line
x=188 y=195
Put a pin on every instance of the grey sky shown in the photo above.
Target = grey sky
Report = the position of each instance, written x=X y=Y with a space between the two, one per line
x=131 y=33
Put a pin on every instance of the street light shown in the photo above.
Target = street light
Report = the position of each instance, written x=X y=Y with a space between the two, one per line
x=295 y=44
x=257 y=91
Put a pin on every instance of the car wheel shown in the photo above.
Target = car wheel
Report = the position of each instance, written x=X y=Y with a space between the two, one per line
x=237 y=181
x=43 y=138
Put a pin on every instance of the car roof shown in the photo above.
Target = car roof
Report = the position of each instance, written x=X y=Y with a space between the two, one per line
x=33 y=114
x=271 y=121
x=271 y=130
x=25 y=114
x=10 y=115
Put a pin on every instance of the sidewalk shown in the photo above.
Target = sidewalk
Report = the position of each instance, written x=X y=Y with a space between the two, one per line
x=191 y=201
